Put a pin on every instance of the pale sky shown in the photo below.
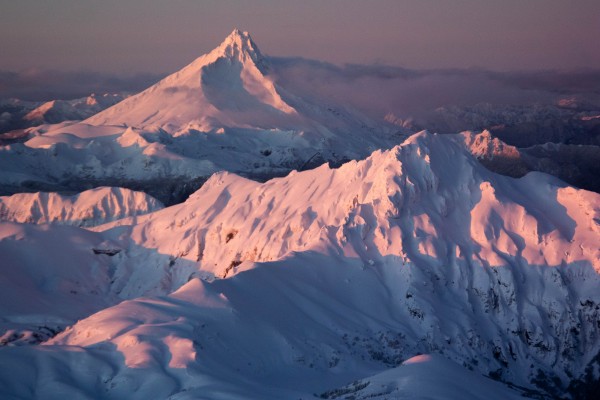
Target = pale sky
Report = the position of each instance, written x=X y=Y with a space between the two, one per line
x=158 y=36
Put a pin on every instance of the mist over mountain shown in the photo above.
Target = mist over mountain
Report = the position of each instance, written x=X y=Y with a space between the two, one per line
x=523 y=108
x=401 y=90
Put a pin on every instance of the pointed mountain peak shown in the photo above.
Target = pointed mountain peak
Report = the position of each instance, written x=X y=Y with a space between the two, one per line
x=226 y=87
x=238 y=35
x=238 y=44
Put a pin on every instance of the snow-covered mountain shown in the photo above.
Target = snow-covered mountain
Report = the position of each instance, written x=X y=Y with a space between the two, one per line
x=496 y=155
x=89 y=208
x=522 y=125
x=56 y=111
x=223 y=111
x=575 y=164
x=305 y=284
x=227 y=87
x=414 y=272
x=18 y=114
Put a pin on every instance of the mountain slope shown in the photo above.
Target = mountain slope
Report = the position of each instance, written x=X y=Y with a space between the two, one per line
x=223 y=111
x=231 y=78
x=18 y=115
x=428 y=201
x=314 y=323
x=335 y=275
x=56 y=111
x=50 y=276
x=424 y=377
x=89 y=208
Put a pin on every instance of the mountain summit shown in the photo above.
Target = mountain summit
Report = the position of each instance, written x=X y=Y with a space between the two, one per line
x=226 y=110
x=238 y=44
x=227 y=87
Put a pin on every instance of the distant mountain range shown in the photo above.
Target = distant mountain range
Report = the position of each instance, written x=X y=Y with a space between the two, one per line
x=221 y=112
x=17 y=115
x=207 y=115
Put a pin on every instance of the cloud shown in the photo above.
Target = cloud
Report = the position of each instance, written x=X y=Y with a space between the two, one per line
x=560 y=82
x=374 y=89
x=43 y=85
x=379 y=89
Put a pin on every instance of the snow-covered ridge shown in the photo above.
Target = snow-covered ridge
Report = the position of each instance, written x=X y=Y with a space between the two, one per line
x=16 y=114
x=331 y=276
x=427 y=199
x=89 y=208
x=224 y=111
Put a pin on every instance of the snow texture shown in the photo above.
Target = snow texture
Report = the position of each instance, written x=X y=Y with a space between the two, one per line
x=332 y=276
x=223 y=111
x=415 y=272
x=89 y=208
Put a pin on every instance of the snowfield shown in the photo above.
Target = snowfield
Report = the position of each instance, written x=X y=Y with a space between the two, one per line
x=414 y=272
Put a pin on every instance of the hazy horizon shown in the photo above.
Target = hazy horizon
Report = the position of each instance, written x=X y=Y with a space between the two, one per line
x=155 y=37
x=66 y=49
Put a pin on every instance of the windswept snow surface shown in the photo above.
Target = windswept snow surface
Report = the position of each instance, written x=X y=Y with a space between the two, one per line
x=425 y=377
x=223 y=111
x=427 y=200
x=89 y=208
x=305 y=284
x=49 y=277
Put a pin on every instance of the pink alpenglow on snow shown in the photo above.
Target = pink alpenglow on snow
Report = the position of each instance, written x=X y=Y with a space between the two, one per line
x=405 y=270
x=229 y=85
x=89 y=208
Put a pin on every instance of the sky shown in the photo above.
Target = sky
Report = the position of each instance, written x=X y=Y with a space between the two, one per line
x=156 y=36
